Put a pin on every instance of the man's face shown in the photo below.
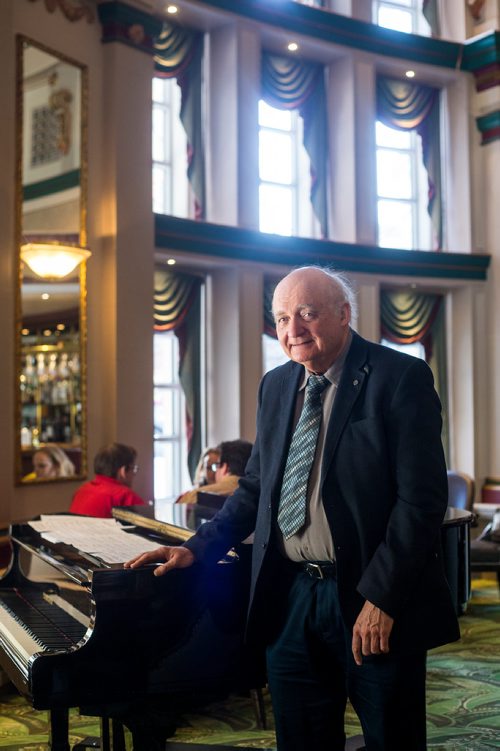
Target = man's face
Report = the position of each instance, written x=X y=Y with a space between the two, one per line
x=311 y=321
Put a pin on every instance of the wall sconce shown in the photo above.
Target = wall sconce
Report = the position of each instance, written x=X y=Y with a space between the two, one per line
x=52 y=260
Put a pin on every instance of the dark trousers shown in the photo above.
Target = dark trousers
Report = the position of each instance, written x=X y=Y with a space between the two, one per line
x=312 y=672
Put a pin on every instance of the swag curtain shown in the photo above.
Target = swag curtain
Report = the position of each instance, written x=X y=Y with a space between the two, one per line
x=177 y=308
x=408 y=106
x=291 y=84
x=179 y=54
x=408 y=317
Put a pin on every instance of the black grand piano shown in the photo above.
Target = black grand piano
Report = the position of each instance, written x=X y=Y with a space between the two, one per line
x=102 y=638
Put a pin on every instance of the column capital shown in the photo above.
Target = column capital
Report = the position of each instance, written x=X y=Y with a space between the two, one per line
x=481 y=56
x=131 y=26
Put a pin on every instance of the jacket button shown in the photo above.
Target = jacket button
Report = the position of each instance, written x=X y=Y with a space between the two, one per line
x=264 y=545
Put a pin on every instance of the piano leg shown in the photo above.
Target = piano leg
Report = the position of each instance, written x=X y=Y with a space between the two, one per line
x=112 y=735
x=58 y=730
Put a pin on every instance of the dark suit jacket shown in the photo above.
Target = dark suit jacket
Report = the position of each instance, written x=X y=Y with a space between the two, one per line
x=384 y=489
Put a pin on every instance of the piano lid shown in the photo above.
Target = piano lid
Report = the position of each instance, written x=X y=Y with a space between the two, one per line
x=178 y=521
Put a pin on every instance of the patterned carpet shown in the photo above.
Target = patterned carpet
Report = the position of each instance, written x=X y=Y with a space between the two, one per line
x=463 y=699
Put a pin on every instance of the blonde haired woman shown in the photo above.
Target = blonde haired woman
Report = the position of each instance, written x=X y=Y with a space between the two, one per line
x=50 y=462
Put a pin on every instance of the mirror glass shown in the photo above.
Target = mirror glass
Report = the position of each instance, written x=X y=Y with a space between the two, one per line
x=51 y=314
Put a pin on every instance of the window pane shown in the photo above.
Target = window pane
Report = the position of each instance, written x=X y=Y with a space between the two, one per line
x=416 y=349
x=272 y=354
x=395 y=225
x=275 y=209
x=270 y=117
x=161 y=134
x=165 y=355
x=275 y=157
x=391 y=137
x=394 y=174
x=158 y=90
x=161 y=188
x=163 y=476
x=392 y=18
x=164 y=416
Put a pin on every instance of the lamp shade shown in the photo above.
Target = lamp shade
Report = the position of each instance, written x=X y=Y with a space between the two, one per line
x=53 y=261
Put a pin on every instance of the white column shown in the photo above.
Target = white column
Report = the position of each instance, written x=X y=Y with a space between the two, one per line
x=491 y=191
x=368 y=297
x=460 y=343
x=233 y=158
x=126 y=283
x=222 y=106
x=366 y=173
x=235 y=355
x=342 y=141
x=456 y=177
x=249 y=93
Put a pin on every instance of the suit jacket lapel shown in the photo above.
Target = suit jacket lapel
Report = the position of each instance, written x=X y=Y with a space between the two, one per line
x=354 y=374
x=288 y=395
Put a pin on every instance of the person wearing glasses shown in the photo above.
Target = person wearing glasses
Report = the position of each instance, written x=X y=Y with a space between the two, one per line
x=115 y=468
x=230 y=461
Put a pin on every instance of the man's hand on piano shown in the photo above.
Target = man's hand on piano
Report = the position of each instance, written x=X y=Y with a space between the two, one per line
x=173 y=557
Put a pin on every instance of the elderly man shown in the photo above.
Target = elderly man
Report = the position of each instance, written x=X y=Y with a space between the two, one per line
x=346 y=490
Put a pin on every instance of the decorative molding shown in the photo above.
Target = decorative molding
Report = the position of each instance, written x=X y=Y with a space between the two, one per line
x=122 y=23
x=73 y=10
x=475 y=8
x=482 y=57
x=236 y=243
x=489 y=127
x=350 y=32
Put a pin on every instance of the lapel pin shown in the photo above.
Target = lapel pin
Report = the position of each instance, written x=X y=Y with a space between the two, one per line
x=355 y=382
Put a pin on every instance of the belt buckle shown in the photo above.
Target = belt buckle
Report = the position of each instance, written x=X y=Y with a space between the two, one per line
x=315 y=570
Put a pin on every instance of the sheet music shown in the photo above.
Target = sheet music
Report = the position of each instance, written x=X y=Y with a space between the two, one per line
x=102 y=538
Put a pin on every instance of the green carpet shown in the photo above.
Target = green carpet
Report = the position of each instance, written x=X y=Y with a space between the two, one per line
x=463 y=699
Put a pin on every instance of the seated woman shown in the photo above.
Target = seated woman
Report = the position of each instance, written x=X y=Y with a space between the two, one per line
x=50 y=462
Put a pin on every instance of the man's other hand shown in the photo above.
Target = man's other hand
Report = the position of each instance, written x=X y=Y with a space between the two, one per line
x=370 y=635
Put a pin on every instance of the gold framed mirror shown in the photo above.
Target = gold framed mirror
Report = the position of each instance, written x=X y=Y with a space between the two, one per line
x=51 y=198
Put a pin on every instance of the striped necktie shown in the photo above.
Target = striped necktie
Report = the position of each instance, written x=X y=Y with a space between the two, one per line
x=292 y=508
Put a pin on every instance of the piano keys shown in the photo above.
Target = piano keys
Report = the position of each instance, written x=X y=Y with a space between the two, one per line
x=94 y=635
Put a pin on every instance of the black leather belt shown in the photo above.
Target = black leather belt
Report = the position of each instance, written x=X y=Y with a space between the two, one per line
x=320 y=569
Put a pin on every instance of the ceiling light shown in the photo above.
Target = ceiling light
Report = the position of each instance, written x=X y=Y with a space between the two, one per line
x=172 y=9
x=52 y=260
x=171 y=262
x=410 y=74
x=292 y=47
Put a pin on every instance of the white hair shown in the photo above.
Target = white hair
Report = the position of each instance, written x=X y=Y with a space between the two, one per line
x=347 y=293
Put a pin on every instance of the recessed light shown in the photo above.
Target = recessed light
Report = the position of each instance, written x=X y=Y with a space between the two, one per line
x=292 y=47
x=45 y=296
x=172 y=9
x=410 y=74
x=171 y=262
